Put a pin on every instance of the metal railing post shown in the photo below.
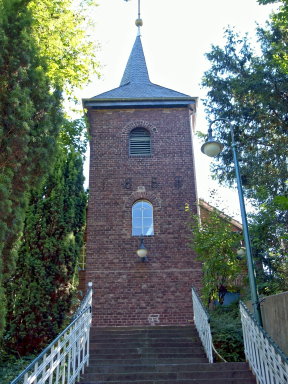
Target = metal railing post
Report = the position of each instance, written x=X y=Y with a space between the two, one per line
x=202 y=323
x=60 y=361
x=267 y=361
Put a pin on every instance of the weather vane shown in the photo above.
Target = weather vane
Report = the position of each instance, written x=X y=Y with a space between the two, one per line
x=138 y=21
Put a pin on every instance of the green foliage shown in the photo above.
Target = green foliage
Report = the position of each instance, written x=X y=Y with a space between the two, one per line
x=267 y=1
x=250 y=91
x=11 y=365
x=46 y=47
x=29 y=119
x=226 y=331
x=64 y=33
x=270 y=242
x=215 y=244
x=41 y=290
x=276 y=34
x=73 y=134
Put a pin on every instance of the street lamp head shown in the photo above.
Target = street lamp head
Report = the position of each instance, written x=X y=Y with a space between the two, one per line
x=211 y=147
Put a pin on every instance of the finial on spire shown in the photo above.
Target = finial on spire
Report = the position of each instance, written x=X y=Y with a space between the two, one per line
x=139 y=21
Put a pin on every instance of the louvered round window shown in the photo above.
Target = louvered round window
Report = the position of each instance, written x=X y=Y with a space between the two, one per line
x=139 y=142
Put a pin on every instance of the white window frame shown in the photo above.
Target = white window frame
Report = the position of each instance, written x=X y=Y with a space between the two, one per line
x=142 y=210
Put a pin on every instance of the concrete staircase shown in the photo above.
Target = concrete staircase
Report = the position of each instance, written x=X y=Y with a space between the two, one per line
x=156 y=355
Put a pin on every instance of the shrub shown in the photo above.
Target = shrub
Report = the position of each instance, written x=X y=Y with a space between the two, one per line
x=227 y=332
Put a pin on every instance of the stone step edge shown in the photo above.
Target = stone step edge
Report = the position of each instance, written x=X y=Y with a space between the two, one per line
x=145 y=328
x=235 y=366
x=178 y=381
x=163 y=373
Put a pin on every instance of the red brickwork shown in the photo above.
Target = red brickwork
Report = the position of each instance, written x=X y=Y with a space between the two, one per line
x=126 y=290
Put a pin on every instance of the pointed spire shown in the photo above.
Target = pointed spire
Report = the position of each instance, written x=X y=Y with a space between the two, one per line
x=136 y=69
x=136 y=86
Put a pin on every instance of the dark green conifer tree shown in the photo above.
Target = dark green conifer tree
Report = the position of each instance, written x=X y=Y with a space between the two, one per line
x=41 y=290
x=44 y=49
x=29 y=117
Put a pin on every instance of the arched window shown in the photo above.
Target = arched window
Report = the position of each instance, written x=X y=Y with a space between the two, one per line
x=139 y=142
x=142 y=219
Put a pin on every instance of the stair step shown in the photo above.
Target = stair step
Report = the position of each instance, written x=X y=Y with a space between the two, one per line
x=131 y=343
x=129 y=336
x=156 y=355
x=184 y=381
x=142 y=349
x=144 y=361
x=173 y=367
x=147 y=355
x=119 y=330
x=151 y=332
x=132 y=377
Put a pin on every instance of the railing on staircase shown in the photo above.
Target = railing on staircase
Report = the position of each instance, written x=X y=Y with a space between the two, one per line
x=202 y=323
x=66 y=357
x=267 y=361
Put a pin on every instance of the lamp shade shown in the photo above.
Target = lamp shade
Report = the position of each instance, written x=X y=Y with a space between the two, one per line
x=142 y=250
x=212 y=148
x=241 y=252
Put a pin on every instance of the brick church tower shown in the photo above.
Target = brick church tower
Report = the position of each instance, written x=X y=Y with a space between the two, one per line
x=141 y=177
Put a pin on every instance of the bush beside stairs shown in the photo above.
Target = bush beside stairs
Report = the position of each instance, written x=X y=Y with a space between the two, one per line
x=156 y=355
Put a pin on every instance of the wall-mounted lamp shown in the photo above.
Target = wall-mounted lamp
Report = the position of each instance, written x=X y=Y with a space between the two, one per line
x=142 y=251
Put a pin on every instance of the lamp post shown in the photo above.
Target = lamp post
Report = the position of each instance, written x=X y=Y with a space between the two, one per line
x=212 y=148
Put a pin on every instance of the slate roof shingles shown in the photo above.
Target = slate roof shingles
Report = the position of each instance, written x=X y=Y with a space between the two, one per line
x=135 y=83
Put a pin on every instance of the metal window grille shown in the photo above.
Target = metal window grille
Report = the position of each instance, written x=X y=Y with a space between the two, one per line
x=140 y=142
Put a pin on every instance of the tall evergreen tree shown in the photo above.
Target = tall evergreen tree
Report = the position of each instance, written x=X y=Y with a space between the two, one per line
x=41 y=290
x=44 y=49
x=250 y=91
x=29 y=117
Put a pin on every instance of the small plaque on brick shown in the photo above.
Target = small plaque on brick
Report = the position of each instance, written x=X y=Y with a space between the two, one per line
x=154 y=183
x=178 y=183
x=127 y=184
x=153 y=319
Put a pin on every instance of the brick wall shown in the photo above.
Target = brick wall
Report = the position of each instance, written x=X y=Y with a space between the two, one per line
x=127 y=291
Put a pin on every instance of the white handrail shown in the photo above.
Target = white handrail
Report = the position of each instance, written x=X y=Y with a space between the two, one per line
x=67 y=356
x=267 y=361
x=202 y=323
